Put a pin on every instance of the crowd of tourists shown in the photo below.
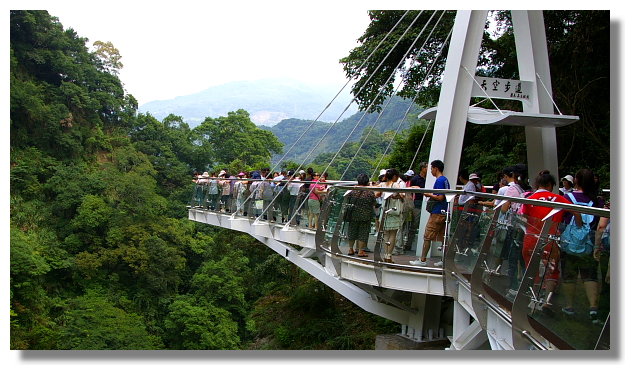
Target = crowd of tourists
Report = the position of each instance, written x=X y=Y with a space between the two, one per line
x=263 y=194
x=396 y=214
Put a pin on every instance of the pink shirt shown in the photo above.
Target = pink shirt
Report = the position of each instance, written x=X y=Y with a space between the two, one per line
x=317 y=187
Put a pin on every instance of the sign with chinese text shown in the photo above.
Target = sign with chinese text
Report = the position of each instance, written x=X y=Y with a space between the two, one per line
x=500 y=88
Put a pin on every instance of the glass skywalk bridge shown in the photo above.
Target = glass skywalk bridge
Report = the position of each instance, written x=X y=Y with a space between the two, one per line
x=484 y=295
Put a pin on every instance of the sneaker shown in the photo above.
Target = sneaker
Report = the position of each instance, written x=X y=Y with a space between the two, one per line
x=568 y=310
x=439 y=264
x=418 y=262
x=511 y=294
x=593 y=315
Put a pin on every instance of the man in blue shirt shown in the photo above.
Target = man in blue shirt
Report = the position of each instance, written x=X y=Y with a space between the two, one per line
x=435 y=228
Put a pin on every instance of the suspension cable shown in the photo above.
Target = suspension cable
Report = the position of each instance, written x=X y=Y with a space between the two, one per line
x=479 y=86
x=332 y=100
x=549 y=94
x=416 y=95
x=363 y=86
x=397 y=89
x=420 y=143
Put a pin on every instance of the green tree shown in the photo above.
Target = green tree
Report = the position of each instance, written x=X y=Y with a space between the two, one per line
x=235 y=137
x=61 y=99
x=197 y=325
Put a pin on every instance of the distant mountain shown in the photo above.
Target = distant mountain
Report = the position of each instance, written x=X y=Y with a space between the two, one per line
x=268 y=101
x=289 y=130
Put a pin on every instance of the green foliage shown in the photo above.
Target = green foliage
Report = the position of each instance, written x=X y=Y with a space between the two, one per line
x=92 y=322
x=197 y=325
x=235 y=137
x=60 y=98
x=29 y=168
x=311 y=316
x=381 y=23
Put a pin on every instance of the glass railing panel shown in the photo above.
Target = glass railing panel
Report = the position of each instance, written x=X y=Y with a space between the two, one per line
x=470 y=233
x=334 y=224
x=505 y=266
x=301 y=214
x=407 y=235
x=241 y=196
x=565 y=295
x=197 y=195
x=212 y=196
x=392 y=229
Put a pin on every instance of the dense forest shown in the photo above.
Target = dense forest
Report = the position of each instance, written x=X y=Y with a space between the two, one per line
x=102 y=254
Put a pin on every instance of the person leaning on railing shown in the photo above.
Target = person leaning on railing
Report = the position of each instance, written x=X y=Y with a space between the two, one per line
x=361 y=216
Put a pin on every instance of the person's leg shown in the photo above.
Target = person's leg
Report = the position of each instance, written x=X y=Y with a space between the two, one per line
x=591 y=288
x=391 y=236
x=568 y=289
x=352 y=237
x=426 y=250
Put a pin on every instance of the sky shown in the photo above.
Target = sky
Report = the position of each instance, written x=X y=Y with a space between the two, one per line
x=175 y=50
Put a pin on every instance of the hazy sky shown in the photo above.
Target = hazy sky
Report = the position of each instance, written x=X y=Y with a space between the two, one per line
x=186 y=47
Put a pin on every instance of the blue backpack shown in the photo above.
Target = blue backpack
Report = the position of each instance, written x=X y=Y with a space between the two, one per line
x=576 y=239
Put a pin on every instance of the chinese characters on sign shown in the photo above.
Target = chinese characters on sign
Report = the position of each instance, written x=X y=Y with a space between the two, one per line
x=502 y=88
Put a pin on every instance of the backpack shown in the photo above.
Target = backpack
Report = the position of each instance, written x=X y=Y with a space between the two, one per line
x=267 y=190
x=576 y=239
x=606 y=239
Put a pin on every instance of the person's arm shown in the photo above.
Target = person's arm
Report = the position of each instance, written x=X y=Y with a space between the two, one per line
x=598 y=237
x=440 y=197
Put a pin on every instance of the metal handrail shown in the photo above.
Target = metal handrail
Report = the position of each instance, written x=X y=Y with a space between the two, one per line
x=564 y=206
x=285 y=181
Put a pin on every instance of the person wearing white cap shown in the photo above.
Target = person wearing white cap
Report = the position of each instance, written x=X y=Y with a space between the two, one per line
x=567 y=185
x=469 y=202
x=470 y=186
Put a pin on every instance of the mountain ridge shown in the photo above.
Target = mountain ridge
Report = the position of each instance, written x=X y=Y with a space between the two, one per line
x=268 y=102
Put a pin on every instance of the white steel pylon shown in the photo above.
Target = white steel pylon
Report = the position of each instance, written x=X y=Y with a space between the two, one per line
x=459 y=86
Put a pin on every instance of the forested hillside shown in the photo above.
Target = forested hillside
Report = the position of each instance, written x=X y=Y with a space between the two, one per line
x=102 y=255
x=335 y=134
